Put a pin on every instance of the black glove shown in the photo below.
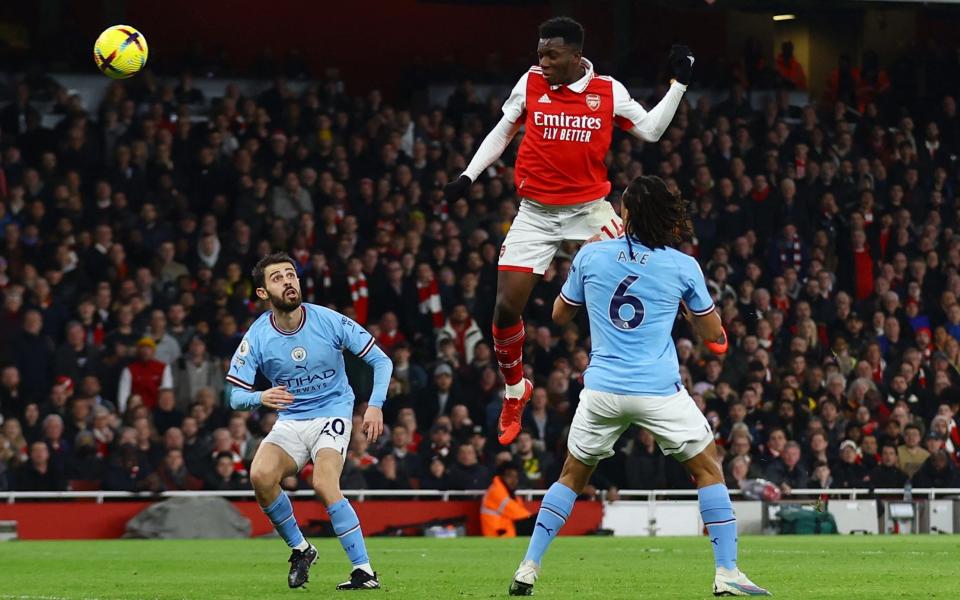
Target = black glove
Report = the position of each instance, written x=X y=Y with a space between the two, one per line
x=457 y=189
x=681 y=62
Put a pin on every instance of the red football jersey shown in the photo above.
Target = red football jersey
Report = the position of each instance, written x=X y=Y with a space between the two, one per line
x=568 y=134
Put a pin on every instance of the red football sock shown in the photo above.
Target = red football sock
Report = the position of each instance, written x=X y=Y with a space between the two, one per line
x=508 y=344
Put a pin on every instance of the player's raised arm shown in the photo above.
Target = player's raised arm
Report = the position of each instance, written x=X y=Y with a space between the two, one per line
x=649 y=126
x=571 y=297
x=494 y=144
x=700 y=311
x=358 y=340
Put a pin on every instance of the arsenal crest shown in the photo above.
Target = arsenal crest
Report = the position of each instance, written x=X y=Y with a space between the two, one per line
x=593 y=101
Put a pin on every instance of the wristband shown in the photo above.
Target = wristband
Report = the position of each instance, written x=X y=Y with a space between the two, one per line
x=721 y=346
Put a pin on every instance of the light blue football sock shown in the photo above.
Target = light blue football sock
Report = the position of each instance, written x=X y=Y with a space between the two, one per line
x=280 y=513
x=347 y=527
x=717 y=513
x=554 y=511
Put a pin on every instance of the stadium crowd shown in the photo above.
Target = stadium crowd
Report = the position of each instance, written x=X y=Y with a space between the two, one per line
x=827 y=232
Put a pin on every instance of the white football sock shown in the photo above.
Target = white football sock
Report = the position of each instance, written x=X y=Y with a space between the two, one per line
x=516 y=390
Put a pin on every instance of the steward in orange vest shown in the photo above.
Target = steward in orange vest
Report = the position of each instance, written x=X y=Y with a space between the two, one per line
x=500 y=507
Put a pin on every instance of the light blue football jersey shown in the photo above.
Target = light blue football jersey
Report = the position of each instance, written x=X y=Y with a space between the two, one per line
x=308 y=361
x=632 y=304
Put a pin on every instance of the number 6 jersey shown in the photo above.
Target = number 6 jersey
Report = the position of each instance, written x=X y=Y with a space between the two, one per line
x=632 y=303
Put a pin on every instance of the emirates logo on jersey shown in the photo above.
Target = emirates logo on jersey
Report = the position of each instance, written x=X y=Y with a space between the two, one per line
x=593 y=101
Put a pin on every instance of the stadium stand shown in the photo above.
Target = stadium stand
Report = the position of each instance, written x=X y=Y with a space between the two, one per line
x=128 y=229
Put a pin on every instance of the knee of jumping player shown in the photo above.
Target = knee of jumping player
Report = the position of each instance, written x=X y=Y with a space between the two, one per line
x=507 y=311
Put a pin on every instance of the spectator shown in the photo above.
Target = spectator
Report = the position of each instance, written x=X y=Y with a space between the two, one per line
x=145 y=376
x=938 y=471
x=197 y=446
x=224 y=476
x=464 y=332
x=435 y=477
x=386 y=475
x=438 y=446
x=789 y=472
x=53 y=434
x=12 y=402
x=789 y=69
x=911 y=454
x=242 y=442
x=166 y=414
x=737 y=472
x=848 y=473
x=408 y=463
x=821 y=478
x=194 y=371
x=888 y=473
x=500 y=507
x=536 y=466
x=38 y=474
x=542 y=421
x=13 y=446
x=869 y=456
x=173 y=473
x=167 y=348
x=75 y=358
x=84 y=463
x=35 y=358
x=291 y=200
x=645 y=463
x=439 y=399
x=467 y=473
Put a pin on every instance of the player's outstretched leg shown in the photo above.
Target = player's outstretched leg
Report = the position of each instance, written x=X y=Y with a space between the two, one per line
x=346 y=524
x=513 y=290
x=717 y=512
x=269 y=466
x=554 y=511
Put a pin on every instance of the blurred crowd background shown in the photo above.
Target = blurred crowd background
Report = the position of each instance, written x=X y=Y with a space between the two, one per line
x=827 y=230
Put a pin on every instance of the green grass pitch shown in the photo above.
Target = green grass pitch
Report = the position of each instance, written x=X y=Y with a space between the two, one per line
x=422 y=568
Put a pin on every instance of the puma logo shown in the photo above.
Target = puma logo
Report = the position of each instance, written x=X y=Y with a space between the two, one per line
x=545 y=528
x=715 y=541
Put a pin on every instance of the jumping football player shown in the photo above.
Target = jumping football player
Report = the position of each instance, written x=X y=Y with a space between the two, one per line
x=631 y=288
x=299 y=348
x=569 y=113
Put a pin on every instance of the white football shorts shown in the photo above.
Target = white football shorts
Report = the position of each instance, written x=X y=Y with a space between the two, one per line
x=539 y=229
x=303 y=439
x=676 y=423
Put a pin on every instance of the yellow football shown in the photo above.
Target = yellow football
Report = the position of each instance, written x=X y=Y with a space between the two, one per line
x=120 y=51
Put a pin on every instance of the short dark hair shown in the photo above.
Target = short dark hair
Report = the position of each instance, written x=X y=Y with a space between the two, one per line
x=563 y=27
x=658 y=217
x=274 y=258
x=508 y=466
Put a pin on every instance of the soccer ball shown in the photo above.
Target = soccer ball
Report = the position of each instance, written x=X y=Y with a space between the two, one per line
x=120 y=51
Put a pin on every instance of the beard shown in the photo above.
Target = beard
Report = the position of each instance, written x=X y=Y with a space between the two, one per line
x=284 y=304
